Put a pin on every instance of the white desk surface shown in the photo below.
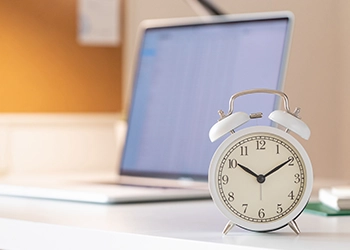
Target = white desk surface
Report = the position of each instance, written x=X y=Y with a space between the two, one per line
x=44 y=224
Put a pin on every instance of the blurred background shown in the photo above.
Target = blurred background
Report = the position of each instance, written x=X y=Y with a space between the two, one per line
x=60 y=96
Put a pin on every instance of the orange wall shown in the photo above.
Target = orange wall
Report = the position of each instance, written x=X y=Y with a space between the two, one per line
x=44 y=69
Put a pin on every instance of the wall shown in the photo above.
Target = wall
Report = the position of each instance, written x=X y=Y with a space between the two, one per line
x=44 y=69
x=68 y=143
x=317 y=72
x=342 y=123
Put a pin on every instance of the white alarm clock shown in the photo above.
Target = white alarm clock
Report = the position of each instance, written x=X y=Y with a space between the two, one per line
x=260 y=177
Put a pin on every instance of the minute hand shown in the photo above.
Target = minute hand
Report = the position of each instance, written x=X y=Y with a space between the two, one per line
x=277 y=168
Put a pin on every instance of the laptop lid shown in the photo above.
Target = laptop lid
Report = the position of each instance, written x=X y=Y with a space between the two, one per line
x=186 y=70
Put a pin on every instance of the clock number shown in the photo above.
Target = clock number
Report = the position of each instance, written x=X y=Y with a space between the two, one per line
x=232 y=163
x=260 y=144
x=291 y=195
x=261 y=213
x=291 y=163
x=231 y=196
x=245 y=206
x=244 y=150
x=225 y=179
x=279 y=208
x=297 y=178
x=278 y=149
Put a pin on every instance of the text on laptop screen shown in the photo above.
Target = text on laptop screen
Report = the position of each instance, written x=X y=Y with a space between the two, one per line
x=185 y=74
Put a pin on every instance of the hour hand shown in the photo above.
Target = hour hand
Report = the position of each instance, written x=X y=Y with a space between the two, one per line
x=247 y=170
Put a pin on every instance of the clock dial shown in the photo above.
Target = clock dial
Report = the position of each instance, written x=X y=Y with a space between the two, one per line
x=260 y=177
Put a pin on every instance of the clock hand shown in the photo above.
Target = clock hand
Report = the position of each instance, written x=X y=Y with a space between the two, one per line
x=247 y=170
x=277 y=168
x=260 y=178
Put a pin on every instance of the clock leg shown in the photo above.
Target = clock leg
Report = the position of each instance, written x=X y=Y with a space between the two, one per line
x=228 y=227
x=293 y=225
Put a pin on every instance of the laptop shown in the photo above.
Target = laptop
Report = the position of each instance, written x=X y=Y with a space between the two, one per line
x=186 y=69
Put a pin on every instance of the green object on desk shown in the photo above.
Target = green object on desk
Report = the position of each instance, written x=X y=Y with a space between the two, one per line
x=320 y=209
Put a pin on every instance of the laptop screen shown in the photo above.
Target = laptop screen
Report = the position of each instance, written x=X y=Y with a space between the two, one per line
x=184 y=75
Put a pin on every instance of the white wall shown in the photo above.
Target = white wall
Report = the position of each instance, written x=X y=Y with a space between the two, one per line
x=317 y=75
x=33 y=143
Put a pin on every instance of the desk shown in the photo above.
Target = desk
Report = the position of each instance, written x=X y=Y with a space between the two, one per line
x=44 y=224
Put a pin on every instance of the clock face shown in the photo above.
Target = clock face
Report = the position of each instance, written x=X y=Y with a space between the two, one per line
x=260 y=177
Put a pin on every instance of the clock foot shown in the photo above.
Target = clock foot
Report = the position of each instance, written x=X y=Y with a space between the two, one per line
x=228 y=227
x=293 y=225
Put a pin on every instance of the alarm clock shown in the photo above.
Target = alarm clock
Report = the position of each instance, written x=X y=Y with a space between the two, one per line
x=260 y=177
